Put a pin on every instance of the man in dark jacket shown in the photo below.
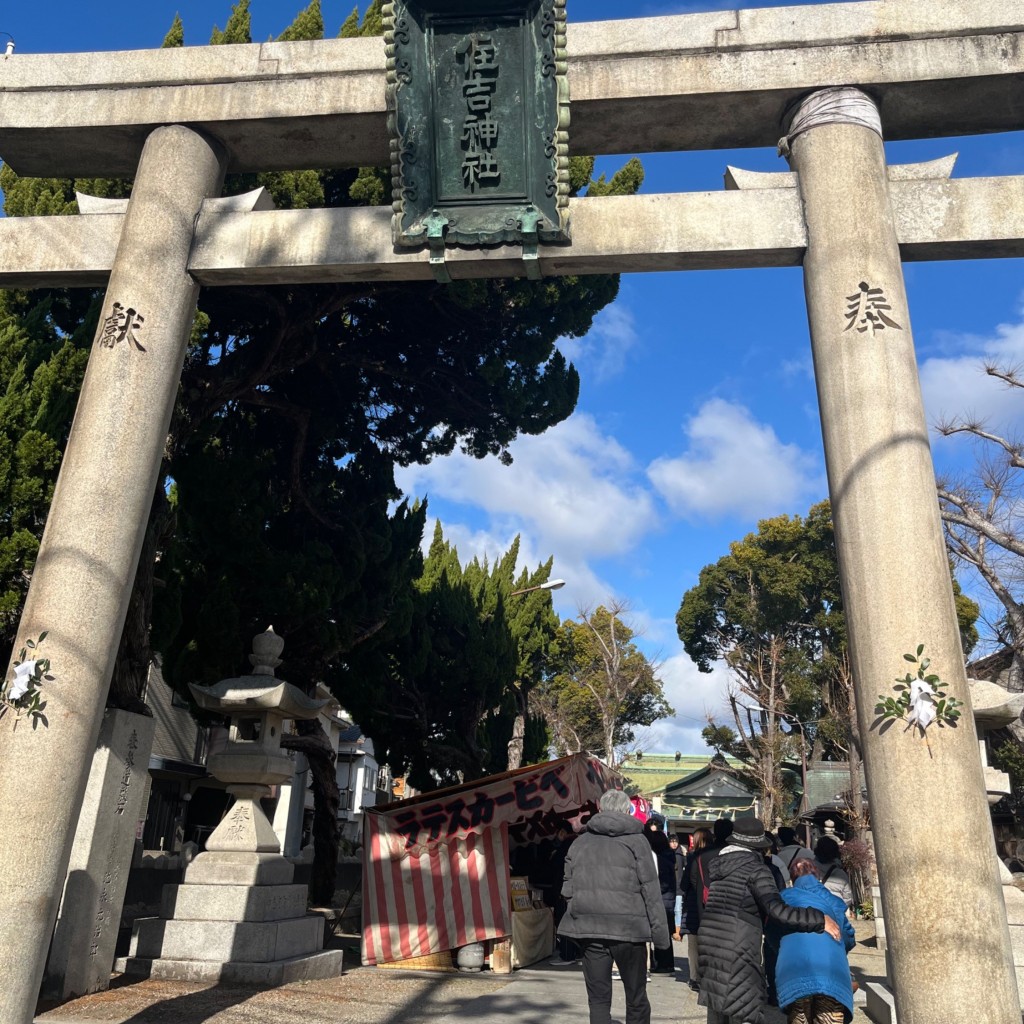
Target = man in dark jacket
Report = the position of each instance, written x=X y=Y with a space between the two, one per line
x=742 y=896
x=615 y=908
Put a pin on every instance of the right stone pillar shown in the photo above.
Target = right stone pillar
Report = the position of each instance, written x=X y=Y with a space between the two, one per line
x=949 y=944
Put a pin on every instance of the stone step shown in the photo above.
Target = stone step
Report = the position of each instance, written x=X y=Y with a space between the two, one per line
x=227 y=941
x=880 y=1005
x=315 y=966
x=190 y=902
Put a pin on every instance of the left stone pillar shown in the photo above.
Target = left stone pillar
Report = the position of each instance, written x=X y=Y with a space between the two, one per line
x=91 y=544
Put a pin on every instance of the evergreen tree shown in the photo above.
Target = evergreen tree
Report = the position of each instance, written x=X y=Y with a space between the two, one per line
x=308 y=24
x=41 y=373
x=441 y=702
x=772 y=611
x=534 y=626
x=238 y=28
x=175 y=35
x=350 y=27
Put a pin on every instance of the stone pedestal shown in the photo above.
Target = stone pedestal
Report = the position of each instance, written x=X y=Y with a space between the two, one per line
x=236 y=918
x=1014 y=899
x=82 y=950
x=876 y=904
x=881 y=1007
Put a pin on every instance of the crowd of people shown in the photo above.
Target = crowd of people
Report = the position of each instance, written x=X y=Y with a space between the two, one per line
x=765 y=918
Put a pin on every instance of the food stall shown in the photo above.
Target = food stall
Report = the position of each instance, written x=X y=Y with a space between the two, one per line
x=436 y=868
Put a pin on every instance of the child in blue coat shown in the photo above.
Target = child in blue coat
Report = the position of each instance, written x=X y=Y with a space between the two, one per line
x=812 y=976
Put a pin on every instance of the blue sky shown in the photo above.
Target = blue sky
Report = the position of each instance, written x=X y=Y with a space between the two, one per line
x=697 y=414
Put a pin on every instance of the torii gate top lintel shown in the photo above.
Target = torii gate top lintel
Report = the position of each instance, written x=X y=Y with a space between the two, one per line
x=693 y=81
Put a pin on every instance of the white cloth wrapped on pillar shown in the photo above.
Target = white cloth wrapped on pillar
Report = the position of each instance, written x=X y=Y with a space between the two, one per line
x=841 y=105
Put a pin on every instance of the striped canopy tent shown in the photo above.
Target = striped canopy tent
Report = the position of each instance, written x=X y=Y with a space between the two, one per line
x=436 y=867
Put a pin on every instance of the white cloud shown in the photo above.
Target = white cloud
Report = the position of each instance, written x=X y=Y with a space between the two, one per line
x=605 y=347
x=574 y=492
x=735 y=466
x=957 y=387
x=695 y=695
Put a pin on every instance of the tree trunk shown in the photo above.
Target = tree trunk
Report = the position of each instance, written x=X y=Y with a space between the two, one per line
x=515 y=745
x=312 y=741
x=856 y=797
x=1015 y=677
x=131 y=669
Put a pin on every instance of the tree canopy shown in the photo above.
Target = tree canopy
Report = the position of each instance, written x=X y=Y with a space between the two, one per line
x=603 y=686
x=440 y=702
x=772 y=611
x=294 y=407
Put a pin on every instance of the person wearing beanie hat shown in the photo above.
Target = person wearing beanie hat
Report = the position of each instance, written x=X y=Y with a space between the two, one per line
x=741 y=895
x=614 y=908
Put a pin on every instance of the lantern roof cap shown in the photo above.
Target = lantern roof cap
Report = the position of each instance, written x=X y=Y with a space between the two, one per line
x=260 y=691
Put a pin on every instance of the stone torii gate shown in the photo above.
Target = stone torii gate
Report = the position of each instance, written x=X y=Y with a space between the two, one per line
x=179 y=119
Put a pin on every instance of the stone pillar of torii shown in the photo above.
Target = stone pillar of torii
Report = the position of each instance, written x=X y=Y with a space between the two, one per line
x=177 y=120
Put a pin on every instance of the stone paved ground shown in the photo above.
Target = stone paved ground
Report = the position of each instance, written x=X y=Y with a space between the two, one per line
x=372 y=996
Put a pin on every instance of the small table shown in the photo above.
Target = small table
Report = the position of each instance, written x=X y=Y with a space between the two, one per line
x=533 y=936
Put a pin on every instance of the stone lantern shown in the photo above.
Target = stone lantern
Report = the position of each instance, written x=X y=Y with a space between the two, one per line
x=258 y=706
x=994 y=708
x=238 y=917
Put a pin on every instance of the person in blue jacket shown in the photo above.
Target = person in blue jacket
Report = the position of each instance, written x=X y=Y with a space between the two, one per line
x=812 y=976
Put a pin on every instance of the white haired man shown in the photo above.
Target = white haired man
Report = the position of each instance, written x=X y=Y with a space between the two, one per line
x=614 y=908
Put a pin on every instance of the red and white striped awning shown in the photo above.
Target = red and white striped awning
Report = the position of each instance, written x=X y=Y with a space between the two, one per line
x=435 y=868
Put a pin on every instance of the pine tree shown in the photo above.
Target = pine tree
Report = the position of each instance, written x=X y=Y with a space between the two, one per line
x=350 y=26
x=175 y=35
x=238 y=29
x=441 y=702
x=308 y=24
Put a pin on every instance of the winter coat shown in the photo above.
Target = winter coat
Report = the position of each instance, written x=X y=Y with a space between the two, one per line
x=811 y=964
x=693 y=888
x=667 y=878
x=789 y=855
x=611 y=885
x=778 y=872
x=836 y=880
x=680 y=869
x=743 y=894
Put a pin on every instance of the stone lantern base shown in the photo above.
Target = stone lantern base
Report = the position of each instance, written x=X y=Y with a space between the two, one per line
x=236 y=918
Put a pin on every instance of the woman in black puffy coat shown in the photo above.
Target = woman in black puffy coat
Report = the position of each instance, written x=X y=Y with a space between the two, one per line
x=664 y=959
x=742 y=895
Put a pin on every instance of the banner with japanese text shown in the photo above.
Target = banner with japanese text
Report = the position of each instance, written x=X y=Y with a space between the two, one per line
x=435 y=868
